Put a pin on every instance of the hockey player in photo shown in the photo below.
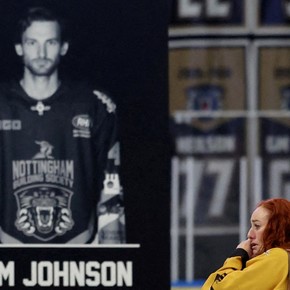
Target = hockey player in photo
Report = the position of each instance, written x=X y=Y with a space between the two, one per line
x=59 y=148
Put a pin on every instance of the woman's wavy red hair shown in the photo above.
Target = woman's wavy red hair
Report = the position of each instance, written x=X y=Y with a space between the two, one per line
x=277 y=231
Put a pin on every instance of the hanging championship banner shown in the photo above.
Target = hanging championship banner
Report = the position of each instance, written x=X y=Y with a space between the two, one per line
x=272 y=16
x=208 y=17
x=207 y=100
x=274 y=102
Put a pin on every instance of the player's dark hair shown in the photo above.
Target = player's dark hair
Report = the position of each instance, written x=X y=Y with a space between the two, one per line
x=40 y=14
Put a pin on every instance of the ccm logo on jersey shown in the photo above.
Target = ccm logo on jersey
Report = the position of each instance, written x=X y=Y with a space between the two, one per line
x=10 y=125
x=82 y=125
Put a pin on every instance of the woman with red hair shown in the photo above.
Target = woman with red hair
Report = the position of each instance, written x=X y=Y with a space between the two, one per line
x=261 y=261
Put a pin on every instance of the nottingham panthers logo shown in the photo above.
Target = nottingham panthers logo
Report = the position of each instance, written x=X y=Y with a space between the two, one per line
x=44 y=212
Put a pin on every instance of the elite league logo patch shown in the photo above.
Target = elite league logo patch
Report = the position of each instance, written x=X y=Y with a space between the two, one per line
x=43 y=191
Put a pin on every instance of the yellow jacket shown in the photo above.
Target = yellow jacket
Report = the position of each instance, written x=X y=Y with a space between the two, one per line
x=268 y=271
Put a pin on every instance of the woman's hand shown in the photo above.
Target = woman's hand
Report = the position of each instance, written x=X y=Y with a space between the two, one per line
x=246 y=245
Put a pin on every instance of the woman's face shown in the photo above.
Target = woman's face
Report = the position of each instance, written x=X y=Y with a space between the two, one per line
x=259 y=220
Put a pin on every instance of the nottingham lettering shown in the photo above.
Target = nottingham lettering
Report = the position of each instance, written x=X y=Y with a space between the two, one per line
x=63 y=168
x=27 y=172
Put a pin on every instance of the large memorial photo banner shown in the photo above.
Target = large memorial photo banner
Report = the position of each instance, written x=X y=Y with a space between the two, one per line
x=83 y=135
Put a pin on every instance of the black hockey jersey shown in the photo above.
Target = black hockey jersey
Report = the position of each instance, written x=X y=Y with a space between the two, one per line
x=59 y=158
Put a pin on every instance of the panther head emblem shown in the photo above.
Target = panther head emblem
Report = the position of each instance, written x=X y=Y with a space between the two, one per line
x=44 y=212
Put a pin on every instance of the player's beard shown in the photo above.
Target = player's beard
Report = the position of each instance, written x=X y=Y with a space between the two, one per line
x=42 y=66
